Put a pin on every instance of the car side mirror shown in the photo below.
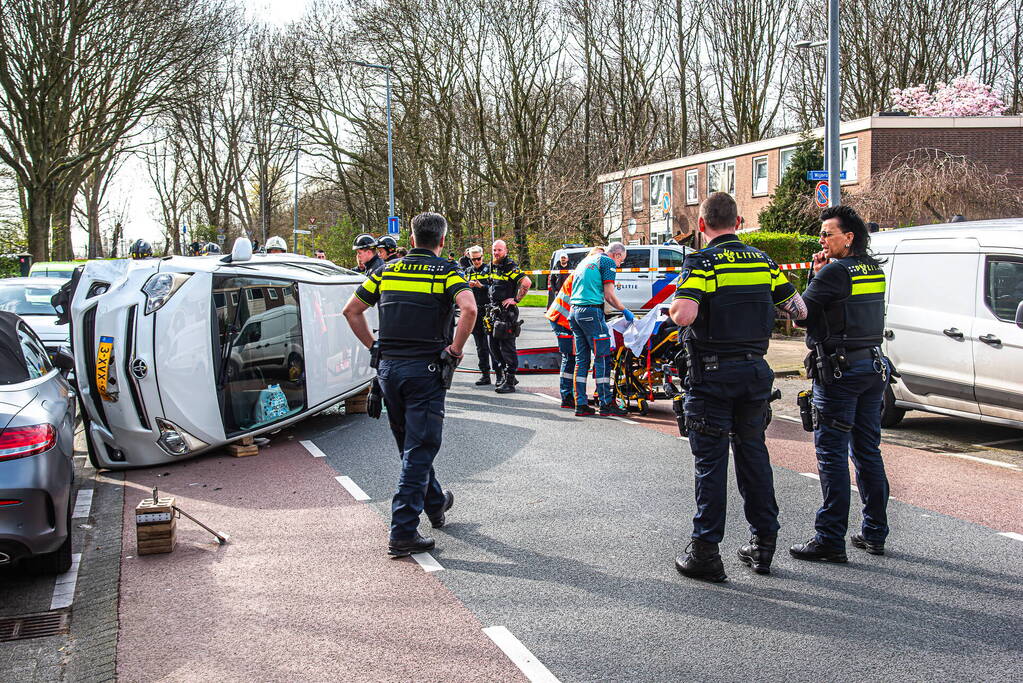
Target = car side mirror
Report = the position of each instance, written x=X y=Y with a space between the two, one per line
x=1019 y=314
x=64 y=360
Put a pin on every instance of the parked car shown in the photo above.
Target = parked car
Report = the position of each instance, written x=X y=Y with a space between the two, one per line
x=29 y=297
x=638 y=291
x=37 y=414
x=954 y=325
x=57 y=269
x=180 y=355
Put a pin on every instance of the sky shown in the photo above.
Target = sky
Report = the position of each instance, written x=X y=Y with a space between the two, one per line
x=132 y=188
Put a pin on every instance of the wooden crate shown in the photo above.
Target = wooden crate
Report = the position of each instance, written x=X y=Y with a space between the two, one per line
x=155 y=526
x=243 y=448
x=355 y=405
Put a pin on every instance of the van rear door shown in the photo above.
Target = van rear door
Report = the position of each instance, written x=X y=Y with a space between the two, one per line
x=932 y=295
x=998 y=346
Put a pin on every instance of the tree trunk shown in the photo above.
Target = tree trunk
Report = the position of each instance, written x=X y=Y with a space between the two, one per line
x=62 y=250
x=39 y=207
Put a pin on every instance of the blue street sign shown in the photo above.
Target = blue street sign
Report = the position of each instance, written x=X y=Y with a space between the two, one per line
x=820 y=194
x=184 y=228
x=393 y=225
x=822 y=175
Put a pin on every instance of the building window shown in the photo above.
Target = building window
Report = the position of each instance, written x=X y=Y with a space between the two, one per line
x=721 y=177
x=759 y=176
x=660 y=185
x=850 y=159
x=785 y=160
x=692 y=187
x=612 y=199
x=637 y=195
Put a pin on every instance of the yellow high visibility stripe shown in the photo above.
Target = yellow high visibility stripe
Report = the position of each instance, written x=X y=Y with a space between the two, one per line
x=453 y=278
x=701 y=273
x=416 y=287
x=370 y=285
x=748 y=265
x=409 y=274
x=743 y=279
x=876 y=277
x=867 y=288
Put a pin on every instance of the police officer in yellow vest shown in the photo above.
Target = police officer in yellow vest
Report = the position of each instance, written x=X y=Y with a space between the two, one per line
x=508 y=285
x=417 y=297
x=845 y=324
x=478 y=275
x=728 y=296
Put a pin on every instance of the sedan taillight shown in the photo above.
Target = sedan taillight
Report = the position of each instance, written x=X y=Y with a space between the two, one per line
x=20 y=442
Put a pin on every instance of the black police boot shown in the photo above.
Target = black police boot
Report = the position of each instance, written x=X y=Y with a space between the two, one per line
x=403 y=547
x=437 y=519
x=870 y=546
x=701 y=561
x=484 y=380
x=758 y=553
x=815 y=551
x=508 y=387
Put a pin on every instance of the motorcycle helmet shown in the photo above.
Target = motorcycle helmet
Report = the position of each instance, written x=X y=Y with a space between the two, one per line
x=364 y=241
x=141 y=249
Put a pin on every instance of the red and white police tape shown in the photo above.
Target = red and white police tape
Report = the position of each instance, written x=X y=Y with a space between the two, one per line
x=806 y=265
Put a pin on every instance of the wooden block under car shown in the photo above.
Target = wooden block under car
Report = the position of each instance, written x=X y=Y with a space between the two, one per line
x=155 y=526
x=242 y=448
x=355 y=405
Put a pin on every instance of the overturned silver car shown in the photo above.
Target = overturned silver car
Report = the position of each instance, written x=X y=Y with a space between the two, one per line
x=179 y=355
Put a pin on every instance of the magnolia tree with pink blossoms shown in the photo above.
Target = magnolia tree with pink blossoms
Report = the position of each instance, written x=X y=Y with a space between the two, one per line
x=964 y=96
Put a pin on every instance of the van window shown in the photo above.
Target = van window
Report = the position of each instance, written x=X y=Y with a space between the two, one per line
x=1003 y=289
x=637 y=258
x=669 y=258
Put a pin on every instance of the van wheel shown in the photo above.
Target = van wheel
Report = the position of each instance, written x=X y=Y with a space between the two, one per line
x=891 y=415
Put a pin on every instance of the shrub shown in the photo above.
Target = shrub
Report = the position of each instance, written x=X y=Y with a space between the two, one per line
x=787 y=211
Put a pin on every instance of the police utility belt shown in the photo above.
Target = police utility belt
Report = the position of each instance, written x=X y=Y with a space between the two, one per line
x=824 y=367
x=698 y=362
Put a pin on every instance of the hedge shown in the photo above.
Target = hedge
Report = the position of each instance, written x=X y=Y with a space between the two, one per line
x=10 y=266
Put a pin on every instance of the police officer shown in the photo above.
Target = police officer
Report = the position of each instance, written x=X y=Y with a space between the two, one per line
x=727 y=296
x=508 y=285
x=141 y=249
x=417 y=297
x=845 y=323
x=366 y=254
x=478 y=275
x=387 y=248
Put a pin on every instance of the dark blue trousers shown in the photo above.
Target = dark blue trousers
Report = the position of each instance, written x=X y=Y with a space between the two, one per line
x=566 y=347
x=854 y=399
x=733 y=398
x=414 y=395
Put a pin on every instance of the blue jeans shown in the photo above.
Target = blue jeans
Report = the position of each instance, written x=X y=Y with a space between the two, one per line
x=592 y=338
x=414 y=395
x=732 y=400
x=567 y=351
x=854 y=399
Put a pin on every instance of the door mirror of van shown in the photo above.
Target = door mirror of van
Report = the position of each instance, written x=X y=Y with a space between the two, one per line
x=1019 y=314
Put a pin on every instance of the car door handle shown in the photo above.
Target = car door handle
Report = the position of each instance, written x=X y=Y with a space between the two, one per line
x=644 y=277
x=953 y=333
x=889 y=334
x=990 y=339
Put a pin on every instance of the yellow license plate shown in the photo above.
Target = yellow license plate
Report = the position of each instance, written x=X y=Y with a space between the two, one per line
x=103 y=355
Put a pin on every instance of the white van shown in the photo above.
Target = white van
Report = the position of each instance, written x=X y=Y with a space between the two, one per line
x=638 y=291
x=954 y=325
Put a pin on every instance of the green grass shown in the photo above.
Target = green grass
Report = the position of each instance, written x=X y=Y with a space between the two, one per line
x=534 y=301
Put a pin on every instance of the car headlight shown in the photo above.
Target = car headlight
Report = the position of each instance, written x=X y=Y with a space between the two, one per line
x=161 y=287
x=175 y=440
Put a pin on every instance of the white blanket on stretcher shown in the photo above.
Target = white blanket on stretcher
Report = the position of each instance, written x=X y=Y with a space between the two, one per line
x=636 y=334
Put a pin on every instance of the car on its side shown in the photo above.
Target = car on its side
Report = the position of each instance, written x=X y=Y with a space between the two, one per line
x=37 y=427
x=57 y=269
x=29 y=297
x=181 y=355
x=638 y=291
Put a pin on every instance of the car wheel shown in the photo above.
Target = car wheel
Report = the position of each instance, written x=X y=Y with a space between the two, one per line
x=891 y=415
x=59 y=561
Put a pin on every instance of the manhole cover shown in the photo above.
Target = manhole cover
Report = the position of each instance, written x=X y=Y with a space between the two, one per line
x=33 y=625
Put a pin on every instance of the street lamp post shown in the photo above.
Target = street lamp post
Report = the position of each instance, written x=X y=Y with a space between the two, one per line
x=492 y=205
x=390 y=154
x=294 y=233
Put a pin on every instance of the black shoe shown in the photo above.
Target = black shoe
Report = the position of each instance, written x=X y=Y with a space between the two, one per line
x=508 y=386
x=863 y=544
x=484 y=380
x=568 y=404
x=702 y=562
x=812 y=550
x=403 y=547
x=584 y=411
x=437 y=520
x=758 y=553
x=613 y=410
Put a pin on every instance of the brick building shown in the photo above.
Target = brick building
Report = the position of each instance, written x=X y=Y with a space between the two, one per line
x=635 y=199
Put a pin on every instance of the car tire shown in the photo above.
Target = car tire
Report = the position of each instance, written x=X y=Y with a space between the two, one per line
x=59 y=561
x=891 y=415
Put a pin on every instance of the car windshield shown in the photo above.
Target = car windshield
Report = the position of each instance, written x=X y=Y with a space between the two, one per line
x=27 y=299
x=260 y=359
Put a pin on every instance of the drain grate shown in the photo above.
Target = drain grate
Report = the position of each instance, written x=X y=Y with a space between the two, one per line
x=33 y=625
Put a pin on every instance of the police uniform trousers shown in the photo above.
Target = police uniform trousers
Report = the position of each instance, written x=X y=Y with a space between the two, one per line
x=482 y=339
x=592 y=340
x=566 y=347
x=503 y=351
x=733 y=398
x=853 y=399
x=413 y=392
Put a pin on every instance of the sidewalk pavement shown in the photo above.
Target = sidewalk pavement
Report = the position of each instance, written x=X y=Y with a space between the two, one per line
x=785 y=356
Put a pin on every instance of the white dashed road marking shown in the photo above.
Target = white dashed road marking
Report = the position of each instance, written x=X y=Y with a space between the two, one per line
x=787 y=418
x=996 y=463
x=549 y=398
x=64 y=587
x=313 y=449
x=999 y=443
x=623 y=419
x=1011 y=534
x=83 y=504
x=352 y=488
x=519 y=655
x=427 y=562
x=811 y=475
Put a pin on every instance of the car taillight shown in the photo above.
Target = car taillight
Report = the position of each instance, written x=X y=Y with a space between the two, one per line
x=9 y=502
x=19 y=442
